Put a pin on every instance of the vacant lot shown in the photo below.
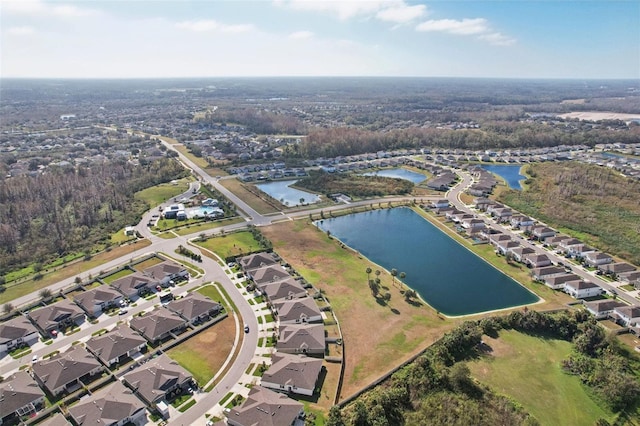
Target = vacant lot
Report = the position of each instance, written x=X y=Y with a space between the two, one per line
x=401 y=329
x=256 y=199
x=537 y=382
x=233 y=244
x=160 y=193
x=203 y=354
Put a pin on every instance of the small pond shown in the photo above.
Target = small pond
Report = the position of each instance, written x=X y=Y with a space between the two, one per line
x=510 y=173
x=399 y=174
x=281 y=190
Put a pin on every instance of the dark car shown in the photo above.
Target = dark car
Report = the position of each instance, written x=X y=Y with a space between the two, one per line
x=246 y=328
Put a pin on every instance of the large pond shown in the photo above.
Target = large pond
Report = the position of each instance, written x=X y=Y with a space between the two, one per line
x=449 y=277
x=510 y=173
x=282 y=191
x=399 y=174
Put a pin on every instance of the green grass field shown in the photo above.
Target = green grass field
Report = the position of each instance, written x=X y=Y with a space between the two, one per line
x=528 y=369
x=160 y=193
x=232 y=244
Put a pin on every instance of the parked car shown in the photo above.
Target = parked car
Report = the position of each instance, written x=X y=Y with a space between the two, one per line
x=122 y=312
x=35 y=358
x=246 y=328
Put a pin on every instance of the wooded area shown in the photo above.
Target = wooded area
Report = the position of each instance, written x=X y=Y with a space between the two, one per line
x=354 y=185
x=596 y=202
x=72 y=209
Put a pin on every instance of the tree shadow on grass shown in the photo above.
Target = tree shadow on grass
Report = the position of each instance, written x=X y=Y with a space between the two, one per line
x=381 y=301
x=415 y=303
x=395 y=311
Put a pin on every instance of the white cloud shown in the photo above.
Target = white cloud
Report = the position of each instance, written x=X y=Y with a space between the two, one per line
x=210 y=25
x=71 y=11
x=40 y=8
x=402 y=13
x=299 y=35
x=23 y=7
x=478 y=27
x=21 y=31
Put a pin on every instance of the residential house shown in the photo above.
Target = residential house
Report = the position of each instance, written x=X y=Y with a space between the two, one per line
x=519 y=253
x=628 y=316
x=158 y=380
x=439 y=204
x=504 y=247
x=285 y=289
x=134 y=285
x=268 y=274
x=597 y=258
x=616 y=269
x=558 y=282
x=491 y=208
x=158 y=325
x=301 y=339
x=518 y=221
x=602 y=308
x=631 y=277
x=473 y=224
x=458 y=218
x=541 y=233
x=59 y=315
x=483 y=204
x=98 y=299
x=195 y=307
x=257 y=260
x=292 y=373
x=580 y=289
x=16 y=332
x=495 y=239
x=579 y=251
x=117 y=345
x=453 y=212
x=297 y=311
x=534 y=260
x=114 y=405
x=63 y=372
x=58 y=419
x=166 y=271
x=565 y=245
x=19 y=396
x=555 y=241
x=265 y=407
x=502 y=214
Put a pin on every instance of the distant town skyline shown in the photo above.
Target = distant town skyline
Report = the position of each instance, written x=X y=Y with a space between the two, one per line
x=185 y=38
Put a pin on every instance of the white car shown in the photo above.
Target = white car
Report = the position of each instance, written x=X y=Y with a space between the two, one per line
x=35 y=358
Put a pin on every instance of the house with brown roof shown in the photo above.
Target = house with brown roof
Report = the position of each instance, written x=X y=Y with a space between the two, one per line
x=540 y=274
x=297 y=311
x=534 y=260
x=286 y=289
x=306 y=339
x=158 y=325
x=63 y=372
x=15 y=332
x=579 y=251
x=57 y=316
x=558 y=282
x=580 y=289
x=518 y=221
x=257 y=260
x=19 y=396
x=98 y=299
x=114 y=405
x=502 y=214
x=265 y=407
x=159 y=379
x=602 y=308
x=615 y=269
x=195 y=307
x=628 y=316
x=519 y=253
x=555 y=241
x=292 y=373
x=597 y=258
x=134 y=285
x=505 y=246
x=495 y=239
x=565 y=245
x=631 y=277
x=541 y=233
x=268 y=274
x=58 y=419
x=166 y=271
x=117 y=345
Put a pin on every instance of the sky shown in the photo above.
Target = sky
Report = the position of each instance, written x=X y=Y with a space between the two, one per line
x=244 y=38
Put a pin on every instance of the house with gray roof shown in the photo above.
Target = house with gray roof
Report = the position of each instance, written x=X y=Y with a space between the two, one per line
x=292 y=373
x=195 y=307
x=297 y=311
x=159 y=379
x=265 y=407
x=268 y=274
x=628 y=316
x=56 y=316
x=301 y=339
x=580 y=289
x=117 y=345
x=63 y=372
x=558 y=282
x=19 y=396
x=134 y=285
x=98 y=299
x=286 y=289
x=166 y=271
x=602 y=308
x=114 y=405
x=534 y=260
x=596 y=258
x=158 y=325
x=58 y=419
x=257 y=260
x=541 y=233
x=540 y=274
x=15 y=332
x=616 y=268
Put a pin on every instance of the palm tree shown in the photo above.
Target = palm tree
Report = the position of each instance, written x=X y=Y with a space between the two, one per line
x=394 y=274
x=402 y=276
x=368 y=271
x=375 y=287
x=377 y=272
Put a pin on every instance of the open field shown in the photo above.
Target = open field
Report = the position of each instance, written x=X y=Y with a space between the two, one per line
x=251 y=195
x=147 y=263
x=117 y=275
x=232 y=244
x=401 y=329
x=537 y=382
x=206 y=226
x=600 y=115
x=160 y=193
x=68 y=271
x=203 y=354
x=199 y=161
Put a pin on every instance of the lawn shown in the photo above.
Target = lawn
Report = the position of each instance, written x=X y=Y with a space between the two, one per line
x=158 y=194
x=528 y=369
x=340 y=274
x=203 y=354
x=141 y=266
x=117 y=275
x=250 y=194
x=233 y=244
x=213 y=293
x=205 y=226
